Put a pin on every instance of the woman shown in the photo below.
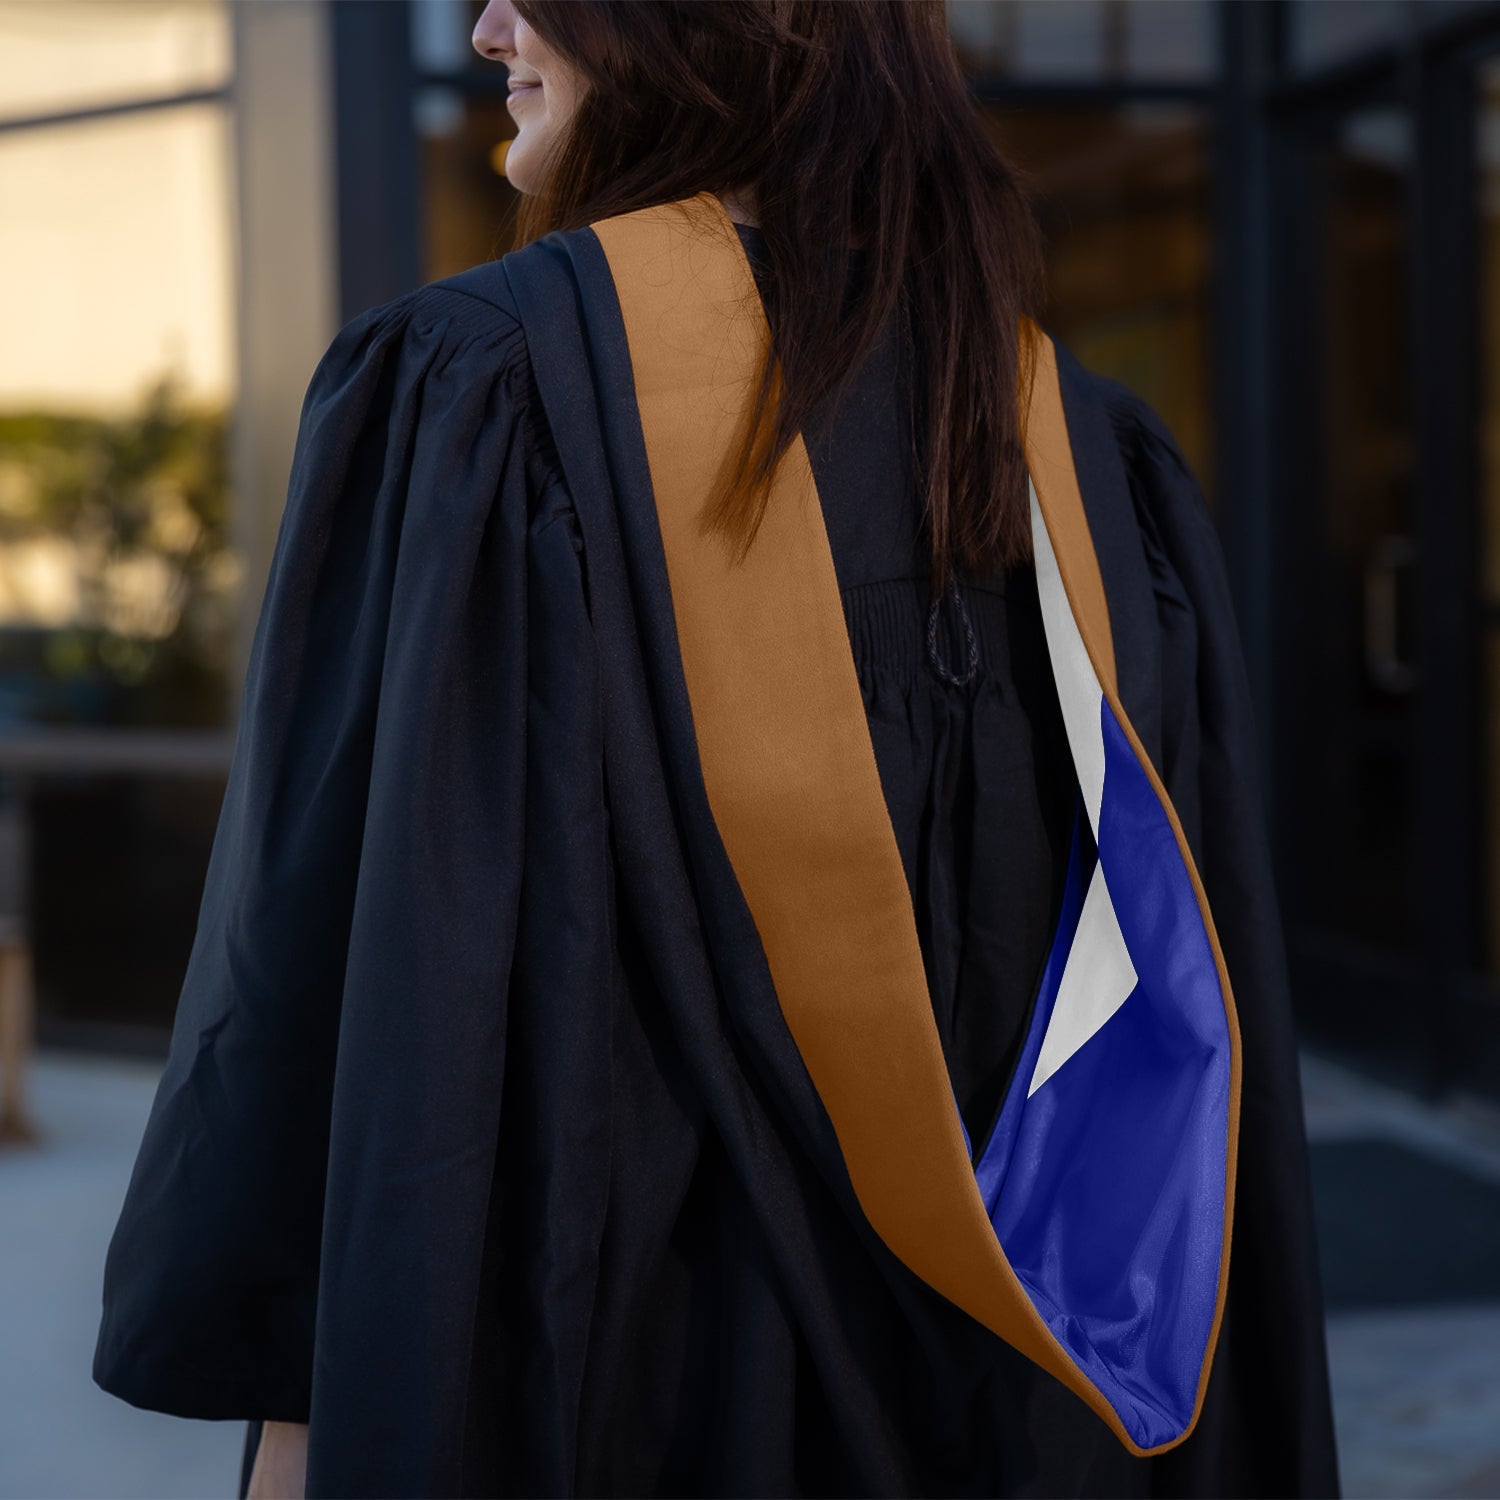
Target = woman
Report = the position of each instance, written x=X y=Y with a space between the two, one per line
x=626 y=1047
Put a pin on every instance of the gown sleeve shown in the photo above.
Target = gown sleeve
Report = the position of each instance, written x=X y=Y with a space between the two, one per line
x=334 y=1068
x=1266 y=1426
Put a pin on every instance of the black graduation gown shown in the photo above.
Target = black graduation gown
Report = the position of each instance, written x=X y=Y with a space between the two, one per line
x=482 y=1143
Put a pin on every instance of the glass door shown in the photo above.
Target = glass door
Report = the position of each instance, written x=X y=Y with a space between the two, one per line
x=1388 y=571
x=1479 y=989
x=1351 y=690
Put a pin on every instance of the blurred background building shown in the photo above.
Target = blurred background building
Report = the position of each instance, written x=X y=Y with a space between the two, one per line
x=1279 y=221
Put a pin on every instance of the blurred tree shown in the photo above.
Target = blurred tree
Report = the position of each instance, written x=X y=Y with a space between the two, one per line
x=118 y=581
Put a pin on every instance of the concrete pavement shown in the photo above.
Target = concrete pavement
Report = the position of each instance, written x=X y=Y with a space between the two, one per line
x=1416 y=1388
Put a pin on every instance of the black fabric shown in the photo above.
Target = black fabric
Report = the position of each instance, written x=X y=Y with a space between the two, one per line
x=482 y=1143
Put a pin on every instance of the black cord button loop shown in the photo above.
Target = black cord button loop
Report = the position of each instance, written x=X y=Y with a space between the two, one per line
x=933 y=656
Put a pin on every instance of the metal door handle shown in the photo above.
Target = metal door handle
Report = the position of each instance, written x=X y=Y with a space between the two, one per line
x=1383 y=659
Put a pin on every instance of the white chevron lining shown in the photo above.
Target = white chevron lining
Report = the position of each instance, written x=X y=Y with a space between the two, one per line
x=1098 y=976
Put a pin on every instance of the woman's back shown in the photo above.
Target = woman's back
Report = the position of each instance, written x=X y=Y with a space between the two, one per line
x=964 y=721
x=602 y=925
x=484 y=1144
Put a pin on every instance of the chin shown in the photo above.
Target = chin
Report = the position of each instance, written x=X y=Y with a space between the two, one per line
x=520 y=179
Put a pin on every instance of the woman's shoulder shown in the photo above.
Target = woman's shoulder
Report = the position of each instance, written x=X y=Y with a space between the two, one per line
x=478 y=303
x=1145 y=440
x=439 y=361
x=1167 y=495
x=465 y=315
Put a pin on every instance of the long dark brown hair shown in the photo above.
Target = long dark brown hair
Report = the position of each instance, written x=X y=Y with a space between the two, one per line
x=848 y=122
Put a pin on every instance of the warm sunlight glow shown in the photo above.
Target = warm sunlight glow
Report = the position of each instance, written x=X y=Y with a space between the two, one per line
x=115 y=260
x=58 y=55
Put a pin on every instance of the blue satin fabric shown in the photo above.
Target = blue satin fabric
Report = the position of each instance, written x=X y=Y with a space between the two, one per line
x=1106 y=1187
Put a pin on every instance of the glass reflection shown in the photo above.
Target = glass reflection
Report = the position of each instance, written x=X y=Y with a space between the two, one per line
x=1321 y=33
x=1487 y=154
x=440 y=35
x=469 y=205
x=118 y=582
x=1124 y=201
x=78 y=54
x=1085 y=40
x=1355 y=775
